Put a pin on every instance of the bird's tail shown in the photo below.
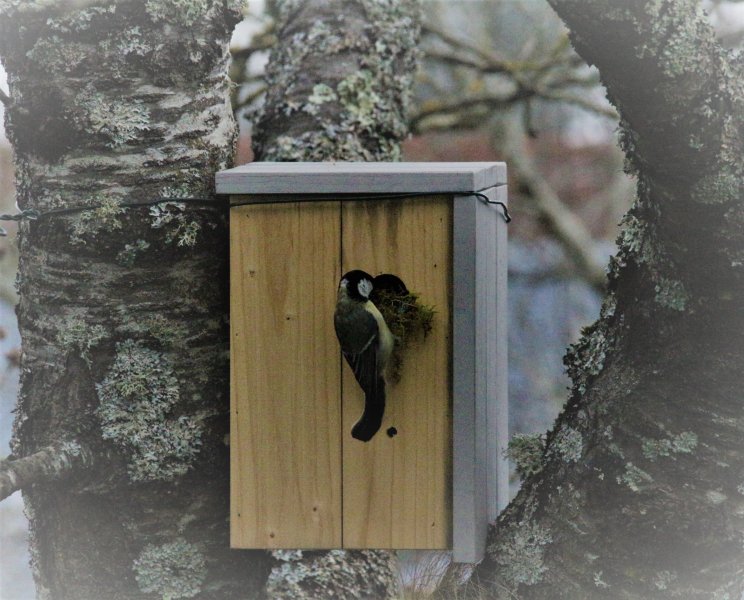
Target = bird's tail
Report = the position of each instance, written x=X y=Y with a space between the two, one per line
x=374 y=409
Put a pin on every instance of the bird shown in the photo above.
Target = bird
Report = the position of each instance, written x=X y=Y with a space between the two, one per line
x=367 y=344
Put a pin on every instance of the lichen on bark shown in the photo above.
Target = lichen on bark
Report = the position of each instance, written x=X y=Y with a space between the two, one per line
x=642 y=508
x=339 y=83
x=113 y=104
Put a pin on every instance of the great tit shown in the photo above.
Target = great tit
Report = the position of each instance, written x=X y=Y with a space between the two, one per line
x=366 y=343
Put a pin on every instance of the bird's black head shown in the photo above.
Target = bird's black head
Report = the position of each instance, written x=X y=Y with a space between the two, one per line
x=358 y=284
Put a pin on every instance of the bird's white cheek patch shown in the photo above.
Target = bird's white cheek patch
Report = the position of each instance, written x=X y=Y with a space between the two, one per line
x=365 y=288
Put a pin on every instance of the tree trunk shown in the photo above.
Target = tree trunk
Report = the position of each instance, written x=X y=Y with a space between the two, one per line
x=640 y=487
x=120 y=438
x=339 y=82
x=123 y=308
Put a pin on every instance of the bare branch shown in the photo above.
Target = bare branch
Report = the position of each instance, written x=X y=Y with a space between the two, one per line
x=455 y=108
x=563 y=224
x=497 y=64
x=588 y=105
x=48 y=464
x=5 y=99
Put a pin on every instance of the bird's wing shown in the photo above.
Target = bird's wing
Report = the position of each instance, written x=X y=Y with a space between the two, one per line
x=359 y=335
x=358 y=338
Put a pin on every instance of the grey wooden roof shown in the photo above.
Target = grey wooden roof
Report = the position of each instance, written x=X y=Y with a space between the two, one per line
x=360 y=177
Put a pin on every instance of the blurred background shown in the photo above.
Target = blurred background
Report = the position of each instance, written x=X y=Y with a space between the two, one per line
x=498 y=81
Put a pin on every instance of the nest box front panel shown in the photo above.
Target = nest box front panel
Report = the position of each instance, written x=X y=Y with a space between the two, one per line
x=285 y=424
x=397 y=486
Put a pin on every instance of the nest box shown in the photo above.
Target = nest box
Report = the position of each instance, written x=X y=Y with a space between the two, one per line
x=433 y=476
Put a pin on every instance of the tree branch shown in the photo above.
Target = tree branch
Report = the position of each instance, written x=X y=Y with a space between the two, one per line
x=562 y=223
x=5 y=99
x=51 y=463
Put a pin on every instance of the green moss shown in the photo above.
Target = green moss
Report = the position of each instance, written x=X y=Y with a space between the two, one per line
x=173 y=570
x=526 y=450
x=137 y=399
x=408 y=319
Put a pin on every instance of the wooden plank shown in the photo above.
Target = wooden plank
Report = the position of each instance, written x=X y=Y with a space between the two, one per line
x=396 y=490
x=359 y=177
x=285 y=377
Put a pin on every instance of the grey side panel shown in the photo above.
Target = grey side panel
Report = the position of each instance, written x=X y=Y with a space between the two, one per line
x=498 y=376
x=479 y=362
x=465 y=473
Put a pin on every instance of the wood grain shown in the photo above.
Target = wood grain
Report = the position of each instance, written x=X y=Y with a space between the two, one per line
x=285 y=376
x=396 y=490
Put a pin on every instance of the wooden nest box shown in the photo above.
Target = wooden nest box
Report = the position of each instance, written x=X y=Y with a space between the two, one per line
x=433 y=476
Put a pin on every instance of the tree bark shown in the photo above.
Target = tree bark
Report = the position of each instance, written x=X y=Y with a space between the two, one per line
x=639 y=490
x=123 y=308
x=338 y=88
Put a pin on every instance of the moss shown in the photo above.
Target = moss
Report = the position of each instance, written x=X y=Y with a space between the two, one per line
x=173 y=570
x=137 y=399
x=408 y=319
x=74 y=334
x=104 y=217
x=526 y=450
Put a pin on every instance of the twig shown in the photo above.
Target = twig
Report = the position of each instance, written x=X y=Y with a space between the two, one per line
x=494 y=62
x=48 y=464
x=567 y=227
x=483 y=102
x=587 y=105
